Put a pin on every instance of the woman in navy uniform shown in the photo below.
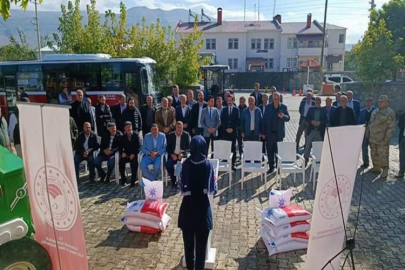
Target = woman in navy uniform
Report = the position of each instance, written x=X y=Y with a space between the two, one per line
x=197 y=181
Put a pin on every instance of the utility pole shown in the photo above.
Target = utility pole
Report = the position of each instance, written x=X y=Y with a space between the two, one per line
x=37 y=26
x=323 y=34
x=373 y=5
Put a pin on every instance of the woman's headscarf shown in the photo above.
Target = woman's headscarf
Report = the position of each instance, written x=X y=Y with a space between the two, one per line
x=198 y=149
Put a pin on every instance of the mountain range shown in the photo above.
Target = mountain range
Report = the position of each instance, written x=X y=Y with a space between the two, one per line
x=48 y=21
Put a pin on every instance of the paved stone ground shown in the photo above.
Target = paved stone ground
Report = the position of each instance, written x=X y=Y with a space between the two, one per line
x=380 y=238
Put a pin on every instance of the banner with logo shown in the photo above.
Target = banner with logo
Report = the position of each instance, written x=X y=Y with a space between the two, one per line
x=50 y=174
x=327 y=234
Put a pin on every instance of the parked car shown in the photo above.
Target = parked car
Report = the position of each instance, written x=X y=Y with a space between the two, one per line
x=337 y=79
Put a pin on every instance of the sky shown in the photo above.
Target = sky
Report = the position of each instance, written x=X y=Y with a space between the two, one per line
x=352 y=14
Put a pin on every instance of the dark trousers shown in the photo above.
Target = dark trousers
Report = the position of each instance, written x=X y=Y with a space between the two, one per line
x=210 y=141
x=240 y=142
x=272 y=150
x=170 y=168
x=90 y=163
x=263 y=146
x=301 y=128
x=251 y=137
x=134 y=168
x=110 y=165
x=232 y=138
x=402 y=155
x=195 y=241
x=198 y=131
x=364 y=150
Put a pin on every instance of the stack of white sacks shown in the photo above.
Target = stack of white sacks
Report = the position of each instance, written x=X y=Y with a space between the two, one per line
x=149 y=215
x=284 y=227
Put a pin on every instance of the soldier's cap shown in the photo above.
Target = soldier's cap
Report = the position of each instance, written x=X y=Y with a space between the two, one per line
x=127 y=123
x=383 y=98
x=369 y=99
x=111 y=124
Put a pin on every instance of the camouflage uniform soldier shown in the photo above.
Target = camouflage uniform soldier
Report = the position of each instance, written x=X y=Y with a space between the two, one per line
x=380 y=130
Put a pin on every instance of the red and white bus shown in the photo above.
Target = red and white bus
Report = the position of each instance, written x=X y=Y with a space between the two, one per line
x=99 y=74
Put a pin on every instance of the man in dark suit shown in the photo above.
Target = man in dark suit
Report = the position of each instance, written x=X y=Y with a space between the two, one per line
x=103 y=116
x=304 y=107
x=274 y=127
x=175 y=96
x=84 y=148
x=352 y=103
x=230 y=124
x=401 y=142
x=148 y=111
x=272 y=90
x=251 y=122
x=183 y=113
x=241 y=107
x=117 y=110
x=343 y=115
x=108 y=147
x=132 y=114
x=257 y=95
x=265 y=101
x=80 y=111
x=329 y=109
x=316 y=118
x=220 y=107
x=196 y=112
x=129 y=149
x=178 y=144
x=190 y=99
x=364 y=119
x=336 y=103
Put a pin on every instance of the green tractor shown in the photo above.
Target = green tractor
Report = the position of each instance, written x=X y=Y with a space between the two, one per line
x=18 y=250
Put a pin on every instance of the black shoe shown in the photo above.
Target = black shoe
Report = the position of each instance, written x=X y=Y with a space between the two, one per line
x=271 y=170
x=132 y=184
x=123 y=182
x=365 y=165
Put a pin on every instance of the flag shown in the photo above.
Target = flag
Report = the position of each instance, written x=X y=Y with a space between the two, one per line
x=327 y=233
x=52 y=185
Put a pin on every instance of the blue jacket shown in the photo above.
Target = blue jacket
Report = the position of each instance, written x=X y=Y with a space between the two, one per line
x=361 y=120
x=245 y=122
x=268 y=121
x=356 y=107
x=332 y=109
x=302 y=109
x=230 y=121
x=148 y=146
x=207 y=122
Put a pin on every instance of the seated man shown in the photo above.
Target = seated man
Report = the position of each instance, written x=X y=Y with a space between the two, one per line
x=108 y=148
x=129 y=149
x=178 y=143
x=154 y=146
x=84 y=147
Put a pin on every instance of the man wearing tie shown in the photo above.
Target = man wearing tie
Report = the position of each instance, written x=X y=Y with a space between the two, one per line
x=265 y=100
x=230 y=124
x=183 y=113
x=210 y=123
x=129 y=149
x=196 y=113
x=257 y=95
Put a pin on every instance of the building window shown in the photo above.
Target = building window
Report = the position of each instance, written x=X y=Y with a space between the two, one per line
x=292 y=43
x=269 y=63
x=233 y=43
x=233 y=63
x=256 y=44
x=210 y=44
x=268 y=44
x=330 y=66
x=292 y=62
x=342 y=38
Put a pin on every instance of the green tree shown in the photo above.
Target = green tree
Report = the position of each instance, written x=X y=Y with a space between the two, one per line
x=18 y=49
x=376 y=55
x=189 y=61
x=350 y=61
x=5 y=6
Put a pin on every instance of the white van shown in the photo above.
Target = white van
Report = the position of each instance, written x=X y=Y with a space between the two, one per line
x=337 y=79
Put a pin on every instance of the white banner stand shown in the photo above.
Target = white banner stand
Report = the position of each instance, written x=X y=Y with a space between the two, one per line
x=211 y=252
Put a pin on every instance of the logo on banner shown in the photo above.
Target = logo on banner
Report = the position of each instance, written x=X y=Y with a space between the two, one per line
x=63 y=202
x=329 y=199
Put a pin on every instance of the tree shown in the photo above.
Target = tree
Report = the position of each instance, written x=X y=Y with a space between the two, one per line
x=18 y=49
x=376 y=54
x=350 y=61
x=5 y=6
x=189 y=61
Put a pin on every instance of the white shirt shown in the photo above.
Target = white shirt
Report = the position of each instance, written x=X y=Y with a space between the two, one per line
x=154 y=141
x=264 y=108
x=307 y=106
x=123 y=107
x=252 y=119
x=11 y=126
x=86 y=142
x=183 y=110
x=219 y=110
x=350 y=104
x=111 y=142
x=177 y=149
x=200 y=107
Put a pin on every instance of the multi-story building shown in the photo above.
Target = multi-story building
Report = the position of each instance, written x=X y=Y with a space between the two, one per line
x=274 y=45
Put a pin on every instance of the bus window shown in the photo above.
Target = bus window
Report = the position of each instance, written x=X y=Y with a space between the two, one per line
x=111 y=77
x=131 y=87
x=11 y=92
x=31 y=81
x=84 y=75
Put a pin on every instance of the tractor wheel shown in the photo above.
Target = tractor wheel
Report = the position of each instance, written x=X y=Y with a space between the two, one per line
x=24 y=254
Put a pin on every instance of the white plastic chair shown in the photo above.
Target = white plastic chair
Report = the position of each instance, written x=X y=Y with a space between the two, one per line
x=287 y=161
x=253 y=152
x=316 y=160
x=150 y=167
x=222 y=152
